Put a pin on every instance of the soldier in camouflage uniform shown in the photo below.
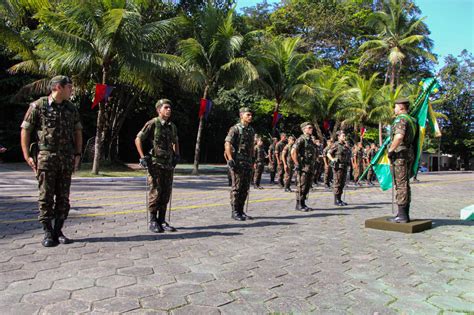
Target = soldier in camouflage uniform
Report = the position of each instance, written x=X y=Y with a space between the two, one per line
x=288 y=163
x=280 y=167
x=370 y=155
x=272 y=163
x=259 y=163
x=164 y=157
x=319 y=163
x=339 y=156
x=55 y=123
x=239 y=151
x=401 y=154
x=327 y=166
x=302 y=153
x=358 y=161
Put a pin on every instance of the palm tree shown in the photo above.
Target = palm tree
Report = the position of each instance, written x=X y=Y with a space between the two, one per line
x=329 y=86
x=283 y=70
x=108 y=41
x=212 y=57
x=398 y=36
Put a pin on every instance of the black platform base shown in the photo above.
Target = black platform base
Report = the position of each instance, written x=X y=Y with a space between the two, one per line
x=414 y=226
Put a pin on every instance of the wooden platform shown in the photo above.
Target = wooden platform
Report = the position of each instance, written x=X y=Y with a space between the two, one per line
x=414 y=226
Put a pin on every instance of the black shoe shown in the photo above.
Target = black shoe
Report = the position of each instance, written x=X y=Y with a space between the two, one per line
x=246 y=216
x=166 y=227
x=48 y=240
x=155 y=227
x=301 y=207
x=288 y=190
x=58 y=233
x=237 y=217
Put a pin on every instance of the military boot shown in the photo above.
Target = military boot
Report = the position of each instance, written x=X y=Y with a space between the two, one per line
x=153 y=224
x=408 y=212
x=162 y=223
x=401 y=217
x=48 y=240
x=245 y=215
x=58 y=233
x=236 y=215
x=339 y=201
x=300 y=206
x=304 y=206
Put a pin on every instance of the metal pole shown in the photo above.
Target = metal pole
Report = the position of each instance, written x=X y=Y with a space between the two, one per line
x=146 y=195
x=171 y=197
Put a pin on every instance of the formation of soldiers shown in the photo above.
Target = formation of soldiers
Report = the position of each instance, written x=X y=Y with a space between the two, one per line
x=51 y=141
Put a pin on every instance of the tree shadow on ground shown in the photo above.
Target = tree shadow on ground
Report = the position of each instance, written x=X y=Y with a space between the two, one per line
x=450 y=222
x=238 y=225
x=303 y=215
x=153 y=237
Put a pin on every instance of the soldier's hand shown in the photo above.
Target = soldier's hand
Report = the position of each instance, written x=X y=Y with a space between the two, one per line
x=77 y=162
x=176 y=160
x=143 y=162
x=31 y=163
x=391 y=155
x=231 y=164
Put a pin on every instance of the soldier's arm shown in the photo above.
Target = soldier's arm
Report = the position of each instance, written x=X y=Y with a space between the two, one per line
x=277 y=154
x=25 y=147
x=270 y=156
x=228 y=151
x=141 y=136
x=138 y=145
x=283 y=157
x=397 y=139
x=77 y=148
x=176 y=147
x=330 y=155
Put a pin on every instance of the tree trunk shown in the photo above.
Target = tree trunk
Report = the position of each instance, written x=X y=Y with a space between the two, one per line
x=99 y=131
x=197 y=150
x=334 y=130
x=380 y=133
x=318 y=130
x=392 y=78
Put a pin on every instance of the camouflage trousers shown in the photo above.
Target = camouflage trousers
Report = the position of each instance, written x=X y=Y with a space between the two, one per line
x=160 y=183
x=339 y=180
x=54 y=187
x=241 y=178
x=401 y=169
x=273 y=168
x=370 y=174
x=327 y=175
x=289 y=176
x=357 y=171
x=303 y=185
x=281 y=174
x=257 y=178
x=318 y=170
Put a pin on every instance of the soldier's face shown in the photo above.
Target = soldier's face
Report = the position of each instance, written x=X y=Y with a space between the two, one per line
x=342 y=137
x=65 y=91
x=399 y=108
x=308 y=130
x=246 y=117
x=165 y=111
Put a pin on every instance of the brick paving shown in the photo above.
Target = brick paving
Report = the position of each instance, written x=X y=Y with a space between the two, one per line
x=284 y=261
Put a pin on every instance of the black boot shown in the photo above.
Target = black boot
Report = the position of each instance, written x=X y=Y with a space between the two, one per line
x=162 y=223
x=48 y=240
x=153 y=225
x=401 y=216
x=236 y=215
x=407 y=208
x=58 y=233
x=304 y=206
x=300 y=206
x=336 y=201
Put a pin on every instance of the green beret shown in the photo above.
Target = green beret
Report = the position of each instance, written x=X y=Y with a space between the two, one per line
x=306 y=124
x=402 y=101
x=163 y=101
x=61 y=79
x=245 y=110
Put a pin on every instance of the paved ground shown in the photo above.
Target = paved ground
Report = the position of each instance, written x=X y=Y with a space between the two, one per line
x=322 y=262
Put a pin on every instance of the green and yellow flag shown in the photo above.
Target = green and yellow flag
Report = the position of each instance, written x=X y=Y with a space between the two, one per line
x=421 y=113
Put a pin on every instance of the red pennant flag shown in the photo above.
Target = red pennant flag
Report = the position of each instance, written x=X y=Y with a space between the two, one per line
x=276 y=118
x=362 y=132
x=202 y=108
x=100 y=91
x=326 y=125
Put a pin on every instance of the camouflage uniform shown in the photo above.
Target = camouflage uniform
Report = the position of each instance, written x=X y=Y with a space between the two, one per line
x=306 y=150
x=273 y=164
x=359 y=163
x=327 y=167
x=286 y=154
x=402 y=161
x=280 y=167
x=160 y=172
x=54 y=125
x=241 y=139
x=319 y=163
x=370 y=173
x=259 y=153
x=342 y=154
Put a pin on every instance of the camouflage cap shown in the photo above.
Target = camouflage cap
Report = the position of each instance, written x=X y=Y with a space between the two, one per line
x=244 y=110
x=306 y=124
x=59 y=79
x=402 y=101
x=163 y=101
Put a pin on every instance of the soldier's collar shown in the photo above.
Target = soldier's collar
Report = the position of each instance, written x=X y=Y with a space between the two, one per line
x=163 y=122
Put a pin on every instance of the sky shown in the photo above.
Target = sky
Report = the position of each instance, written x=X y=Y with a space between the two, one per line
x=451 y=23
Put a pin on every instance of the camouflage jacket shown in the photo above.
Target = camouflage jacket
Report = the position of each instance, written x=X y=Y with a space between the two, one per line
x=306 y=152
x=242 y=138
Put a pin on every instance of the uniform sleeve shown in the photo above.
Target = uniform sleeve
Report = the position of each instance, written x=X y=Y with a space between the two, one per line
x=77 y=120
x=174 y=133
x=146 y=130
x=31 y=118
x=400 y=127
x=332 y=149
x=297 y=145
x=230 y=135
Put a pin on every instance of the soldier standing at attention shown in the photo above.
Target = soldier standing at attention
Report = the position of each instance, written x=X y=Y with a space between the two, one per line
x=370 y=155
x=401 y=154
x=280 y=167
x=358 y=161
x=288 y=163
x=54 y=121
x=302 y=154
x=340 y=156
x=164 y=157
x=259 y=163
x=327 y=166
x=239 y=151
x=319 y=163
x=272 y=163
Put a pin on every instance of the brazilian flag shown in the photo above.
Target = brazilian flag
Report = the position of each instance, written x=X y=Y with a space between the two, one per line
x=422 y=112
